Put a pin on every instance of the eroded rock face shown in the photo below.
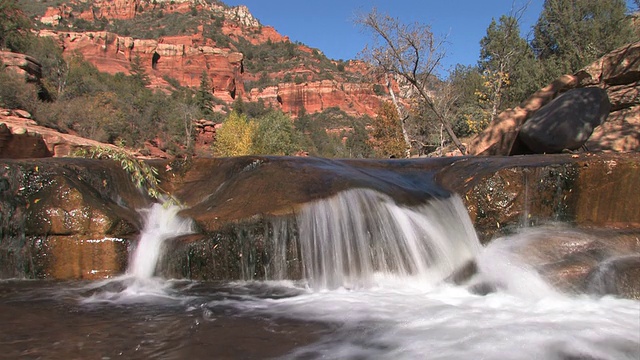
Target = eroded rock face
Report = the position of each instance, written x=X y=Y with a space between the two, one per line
x=22 y=64
x=22 y=138
x=317 y=96
x=185 y=57
x=182 y=58
x=66 y=218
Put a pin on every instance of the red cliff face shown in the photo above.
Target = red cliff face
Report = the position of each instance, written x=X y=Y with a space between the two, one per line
x=316 y=96
x=179 y=58
x=185 y=57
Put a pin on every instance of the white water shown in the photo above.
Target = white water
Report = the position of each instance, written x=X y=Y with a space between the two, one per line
x=379 y=289
x=345 y=240
x=161 y=223
x=407 y=318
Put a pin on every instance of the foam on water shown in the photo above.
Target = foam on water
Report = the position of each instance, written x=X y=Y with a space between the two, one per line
x=373 y=272
x=406 y=318
x=139 y=285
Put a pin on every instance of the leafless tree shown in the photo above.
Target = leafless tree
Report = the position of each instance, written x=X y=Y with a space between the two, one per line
x=411 y=53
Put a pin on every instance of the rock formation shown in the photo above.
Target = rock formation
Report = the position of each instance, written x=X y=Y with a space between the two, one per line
x=618 y=73
x=355 y=99
x=565 y=123
x=66 y=218
x=167 y=57
x=68 y=209
x=185 y=57
x=22 y=138
x=22 y=64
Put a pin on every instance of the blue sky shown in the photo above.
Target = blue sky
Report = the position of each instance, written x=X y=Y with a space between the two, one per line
x=328 y=24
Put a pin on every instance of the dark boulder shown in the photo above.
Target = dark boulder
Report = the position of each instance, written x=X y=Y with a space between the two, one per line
x=567 y=122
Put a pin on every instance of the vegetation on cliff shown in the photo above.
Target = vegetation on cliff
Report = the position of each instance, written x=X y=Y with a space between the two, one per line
x=73 y=96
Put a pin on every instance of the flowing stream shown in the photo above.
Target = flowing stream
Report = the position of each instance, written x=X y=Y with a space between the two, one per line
x=372 y=289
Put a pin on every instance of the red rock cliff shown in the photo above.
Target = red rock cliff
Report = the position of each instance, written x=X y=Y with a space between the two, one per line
x=185 y=57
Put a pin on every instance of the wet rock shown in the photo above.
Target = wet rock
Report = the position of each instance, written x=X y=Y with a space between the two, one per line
x=566 y=122
x=463 y=274
x=66 y=218
x=257 y=186
x=618 y=276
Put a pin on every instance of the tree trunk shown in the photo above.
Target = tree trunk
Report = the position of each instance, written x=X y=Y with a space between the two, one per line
x=403 y=119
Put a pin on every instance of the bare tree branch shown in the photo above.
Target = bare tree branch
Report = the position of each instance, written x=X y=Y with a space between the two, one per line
x=410 y=52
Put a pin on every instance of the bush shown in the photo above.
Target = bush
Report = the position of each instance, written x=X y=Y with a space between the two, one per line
x=16 y=93
x=235 y=136
x=274 y=135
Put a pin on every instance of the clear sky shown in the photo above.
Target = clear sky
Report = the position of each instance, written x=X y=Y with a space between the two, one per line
x=328 y=25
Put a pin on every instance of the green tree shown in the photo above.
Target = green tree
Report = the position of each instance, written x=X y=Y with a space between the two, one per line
x=570 y=34
x=238 y=106
x=204 y=97
x=358 y=144
x=138 y=71
x=15 y=92
x=55 y=69
x=14 y=27
x=502 y=52
x=274 y=135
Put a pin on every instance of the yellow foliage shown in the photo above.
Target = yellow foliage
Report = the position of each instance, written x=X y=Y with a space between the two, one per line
x=388 y=140
x=494 y=82
x=235 y=136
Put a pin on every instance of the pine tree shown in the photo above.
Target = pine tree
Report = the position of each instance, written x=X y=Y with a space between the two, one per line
x=204 y=97
x=570 y=34
x=138 y=72
x=502 y=53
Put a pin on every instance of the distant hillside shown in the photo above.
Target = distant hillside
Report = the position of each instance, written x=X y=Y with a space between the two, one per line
x=177 y=40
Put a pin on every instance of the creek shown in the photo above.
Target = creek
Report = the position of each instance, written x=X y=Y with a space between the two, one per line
x=373 y=286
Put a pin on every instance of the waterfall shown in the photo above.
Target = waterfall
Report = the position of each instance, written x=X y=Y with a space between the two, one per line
x=347 y=239
x=161 y=222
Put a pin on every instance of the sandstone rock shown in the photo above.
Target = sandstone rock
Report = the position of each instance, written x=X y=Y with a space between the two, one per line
x=499 y=137
x=20 y=139
x=566 y=122
x=22 y=113
x=66 y=218
x=316 y=96
x=22 y=64
x=617 y=72
x=185 y=57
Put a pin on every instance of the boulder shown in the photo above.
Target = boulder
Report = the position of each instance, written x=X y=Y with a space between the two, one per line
x=617 y=73
x=566 y=122
x=22 y=64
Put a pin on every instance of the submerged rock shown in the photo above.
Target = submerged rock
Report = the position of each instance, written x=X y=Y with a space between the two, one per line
x=617 y=276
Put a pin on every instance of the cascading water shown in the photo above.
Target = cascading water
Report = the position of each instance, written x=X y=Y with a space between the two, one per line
x=347 y=239
x=371 y=290
x=161 y=223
